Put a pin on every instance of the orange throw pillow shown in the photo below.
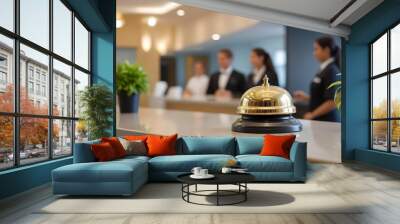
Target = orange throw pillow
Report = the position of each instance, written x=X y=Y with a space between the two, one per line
x=116 y=145
x=277 y=145
x=161 y=145
x=103 y=152
x=136 y=137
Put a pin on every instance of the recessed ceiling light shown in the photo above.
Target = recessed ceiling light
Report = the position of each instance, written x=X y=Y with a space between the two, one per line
x=215 y=36
x=152 y=21
x=120 y=20
x=180 y=12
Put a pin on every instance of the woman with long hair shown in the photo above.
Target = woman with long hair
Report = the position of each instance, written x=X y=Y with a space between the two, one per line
x=321 y=99
x=262 y=65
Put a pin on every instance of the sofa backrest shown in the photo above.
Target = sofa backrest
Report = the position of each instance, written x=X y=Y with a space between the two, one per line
x=83 y=152
x=249 y=145
x=192 y=145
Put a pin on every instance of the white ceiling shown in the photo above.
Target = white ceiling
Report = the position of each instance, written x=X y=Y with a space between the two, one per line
x=247 y=35
x=155 y=7
x=321 y=9
x=314 y=15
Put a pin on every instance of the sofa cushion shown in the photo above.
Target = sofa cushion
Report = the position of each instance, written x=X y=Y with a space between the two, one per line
x=103 y=152
x=206 y=145
x=83 y=152
x=257 y=163
x=116 y=145
x=277 y=145
x=112 y=171
x=161 y=145
x=249 y=145
x=134 y=147
x=185 y=163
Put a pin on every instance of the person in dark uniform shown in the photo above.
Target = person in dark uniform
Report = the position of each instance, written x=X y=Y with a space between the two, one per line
x=262 y=65
x=227 y=82
x=321 y=100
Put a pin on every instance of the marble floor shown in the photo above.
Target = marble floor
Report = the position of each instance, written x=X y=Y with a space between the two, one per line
x=378 y=189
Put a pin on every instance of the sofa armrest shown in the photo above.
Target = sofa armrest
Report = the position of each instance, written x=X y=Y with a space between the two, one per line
x=298 y=155
x=83 y=152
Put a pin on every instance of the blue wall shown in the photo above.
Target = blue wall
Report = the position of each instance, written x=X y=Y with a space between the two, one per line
x=241 y=51
x=301 y=65
x=100 y=17
x=355 y=113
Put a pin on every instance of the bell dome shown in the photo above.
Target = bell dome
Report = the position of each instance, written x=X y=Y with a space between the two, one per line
x=266 y=100
x=266 y=109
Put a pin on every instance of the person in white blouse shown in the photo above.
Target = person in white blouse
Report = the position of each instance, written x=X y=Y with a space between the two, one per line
x=262 y=65
x=197 y=85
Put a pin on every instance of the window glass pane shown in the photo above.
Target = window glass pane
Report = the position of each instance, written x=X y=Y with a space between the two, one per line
x=62 y=138
x=62 y=89
x=81 y=131
x=379 y=56
x=62 y=29
x=81 y=81
x=6 y=74
x=395 y=94
x=33 y=139
x=7 y=14
x=395 y=136
x=395 y=47
x=6 y=142
x=379 y=135
x=35 y=21
x=81 y=45
x=379 y=97
x=34 y=97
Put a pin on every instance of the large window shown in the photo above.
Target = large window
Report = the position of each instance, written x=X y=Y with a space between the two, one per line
x=385 y=91
x=44 y=64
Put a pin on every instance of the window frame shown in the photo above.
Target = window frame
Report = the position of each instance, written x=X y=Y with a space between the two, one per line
x=16 y=115
x=388 y=74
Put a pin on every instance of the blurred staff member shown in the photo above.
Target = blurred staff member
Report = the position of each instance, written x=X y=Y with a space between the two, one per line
x=321 y=100
x=262 y=65
x=227 y=82
x=198 y=84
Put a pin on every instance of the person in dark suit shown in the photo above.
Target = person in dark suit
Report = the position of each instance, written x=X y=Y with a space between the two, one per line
x=227 y=82
x=262 y=65
x=321 y=100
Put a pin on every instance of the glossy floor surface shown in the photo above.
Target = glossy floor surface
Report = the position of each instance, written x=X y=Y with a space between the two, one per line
x=377 y=189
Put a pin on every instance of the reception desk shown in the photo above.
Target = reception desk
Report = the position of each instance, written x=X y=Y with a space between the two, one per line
x=323 y=138
x=208 y=104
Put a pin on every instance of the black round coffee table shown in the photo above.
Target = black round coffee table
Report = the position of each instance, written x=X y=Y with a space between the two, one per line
x=238 y=179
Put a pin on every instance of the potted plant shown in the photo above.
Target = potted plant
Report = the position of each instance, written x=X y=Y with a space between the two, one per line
x=96 y=102
x=131 y=81
x=338 y=93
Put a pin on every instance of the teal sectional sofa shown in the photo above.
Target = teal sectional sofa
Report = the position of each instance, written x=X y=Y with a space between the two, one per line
x=125 y=176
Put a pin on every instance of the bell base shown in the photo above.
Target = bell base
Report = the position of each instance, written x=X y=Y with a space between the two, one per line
x=266 y=124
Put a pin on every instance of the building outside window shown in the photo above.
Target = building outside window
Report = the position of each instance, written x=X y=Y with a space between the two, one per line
x=3 y=72
x=30 y=87
x=56 y=129
x=385 y=92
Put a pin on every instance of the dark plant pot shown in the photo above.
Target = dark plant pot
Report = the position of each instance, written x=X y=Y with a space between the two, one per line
x=128 y=104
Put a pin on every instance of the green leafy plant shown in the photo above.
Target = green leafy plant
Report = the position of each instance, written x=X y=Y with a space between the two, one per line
x=131 y=79
x=96 y=102
x=338 y=93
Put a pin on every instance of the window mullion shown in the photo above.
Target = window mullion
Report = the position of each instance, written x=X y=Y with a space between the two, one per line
x=16 y=84
x=389 y=101
x=50 y=81
x=73 y=81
